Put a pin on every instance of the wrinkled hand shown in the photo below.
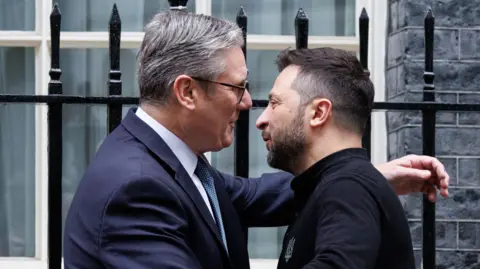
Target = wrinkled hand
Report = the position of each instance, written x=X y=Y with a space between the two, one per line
x=416 y=173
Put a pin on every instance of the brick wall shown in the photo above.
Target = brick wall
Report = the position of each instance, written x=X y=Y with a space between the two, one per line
x=457 y=70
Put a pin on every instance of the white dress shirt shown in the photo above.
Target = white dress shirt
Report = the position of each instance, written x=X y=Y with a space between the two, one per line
x=184 y=154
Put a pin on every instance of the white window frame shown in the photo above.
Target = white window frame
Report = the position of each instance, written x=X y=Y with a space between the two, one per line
x=40 y=41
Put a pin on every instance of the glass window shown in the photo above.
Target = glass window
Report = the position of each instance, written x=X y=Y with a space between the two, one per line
x=276 y=17
x=262 y=72
x=93 y=15
x=85 y=72
x=17 y=154
x=17 y=15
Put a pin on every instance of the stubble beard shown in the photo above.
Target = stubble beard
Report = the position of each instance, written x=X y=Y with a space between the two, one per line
x=290 y=144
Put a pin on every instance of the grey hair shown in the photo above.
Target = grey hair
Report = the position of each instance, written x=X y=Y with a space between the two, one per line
x=179 y=42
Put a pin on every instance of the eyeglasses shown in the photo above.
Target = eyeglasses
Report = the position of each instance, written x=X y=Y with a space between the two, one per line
x=241 y=89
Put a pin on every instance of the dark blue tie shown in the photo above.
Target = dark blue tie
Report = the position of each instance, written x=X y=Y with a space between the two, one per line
x=207 y=180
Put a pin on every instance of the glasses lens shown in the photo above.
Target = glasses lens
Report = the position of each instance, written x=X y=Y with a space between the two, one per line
x=240 y=94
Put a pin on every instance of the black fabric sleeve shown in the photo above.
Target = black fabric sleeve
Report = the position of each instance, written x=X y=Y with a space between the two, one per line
x=348 y=228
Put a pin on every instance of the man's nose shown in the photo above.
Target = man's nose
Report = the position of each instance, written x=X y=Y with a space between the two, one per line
x=246 y=102
x=262 y=120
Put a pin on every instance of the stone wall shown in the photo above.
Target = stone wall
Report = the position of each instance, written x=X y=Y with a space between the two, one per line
x=457 y=80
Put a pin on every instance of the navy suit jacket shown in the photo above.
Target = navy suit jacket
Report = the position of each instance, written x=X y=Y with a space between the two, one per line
x=137 y=208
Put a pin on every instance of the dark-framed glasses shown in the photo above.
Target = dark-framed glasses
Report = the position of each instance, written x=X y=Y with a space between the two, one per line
x=240 y=89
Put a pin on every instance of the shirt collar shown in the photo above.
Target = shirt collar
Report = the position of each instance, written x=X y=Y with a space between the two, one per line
x=305 y=183
x=185 y=155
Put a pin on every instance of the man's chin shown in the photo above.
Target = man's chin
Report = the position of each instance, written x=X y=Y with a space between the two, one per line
x=272 y=162
x=283 y=163
x=226 y=141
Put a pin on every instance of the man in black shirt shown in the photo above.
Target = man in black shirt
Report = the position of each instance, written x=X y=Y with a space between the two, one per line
x=348 y=215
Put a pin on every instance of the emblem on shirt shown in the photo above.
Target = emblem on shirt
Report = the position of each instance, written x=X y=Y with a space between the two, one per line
x=289 y=251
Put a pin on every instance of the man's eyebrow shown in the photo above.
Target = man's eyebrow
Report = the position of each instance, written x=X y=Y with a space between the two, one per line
x=272 y=95
x=242 y=82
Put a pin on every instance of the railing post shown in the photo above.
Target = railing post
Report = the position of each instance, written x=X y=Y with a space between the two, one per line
x=242 y=150
x=301 y=30
x=55 y=142
x=428 y=137
x=114 y=82
x=363 y=29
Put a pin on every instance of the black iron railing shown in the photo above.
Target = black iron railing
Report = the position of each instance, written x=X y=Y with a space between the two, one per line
x=55 y=101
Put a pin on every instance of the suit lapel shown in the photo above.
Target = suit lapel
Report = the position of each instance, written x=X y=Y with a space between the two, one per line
x=169 y=161
x=187 y=184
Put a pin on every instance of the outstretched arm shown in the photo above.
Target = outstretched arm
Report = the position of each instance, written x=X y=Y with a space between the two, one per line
x=268 y=200
x=264 y=201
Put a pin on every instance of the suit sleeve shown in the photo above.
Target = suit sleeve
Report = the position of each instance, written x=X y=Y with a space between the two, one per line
x=144 y=226
x=265 y=201
x=348 y=228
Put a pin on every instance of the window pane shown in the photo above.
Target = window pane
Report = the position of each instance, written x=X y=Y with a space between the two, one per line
x=17 y=154
x=262 y=72
x=93 y=15
x=276 y=17
x=85 y=72
x=17 y=15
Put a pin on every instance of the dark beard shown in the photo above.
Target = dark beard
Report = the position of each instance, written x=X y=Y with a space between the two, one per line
x=288 y=146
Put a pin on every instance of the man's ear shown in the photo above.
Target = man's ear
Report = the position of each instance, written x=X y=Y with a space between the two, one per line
x=320 y=112
x=185 y=91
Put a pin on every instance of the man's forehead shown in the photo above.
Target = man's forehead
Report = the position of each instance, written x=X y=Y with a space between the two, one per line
x=236 y=64
x=246 y=72
x=240 y=75
x=282 y=88
x=289 y=72
x=278 y=92
x=272 y=95
x=284 y=80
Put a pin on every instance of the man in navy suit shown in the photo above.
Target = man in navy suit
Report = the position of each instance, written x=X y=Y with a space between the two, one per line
x=149 y=199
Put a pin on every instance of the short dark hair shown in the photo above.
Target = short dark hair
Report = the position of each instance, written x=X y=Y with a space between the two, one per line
x=336 y=75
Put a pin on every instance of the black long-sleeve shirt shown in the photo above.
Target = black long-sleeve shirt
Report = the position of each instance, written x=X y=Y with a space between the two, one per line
x=349 y=217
